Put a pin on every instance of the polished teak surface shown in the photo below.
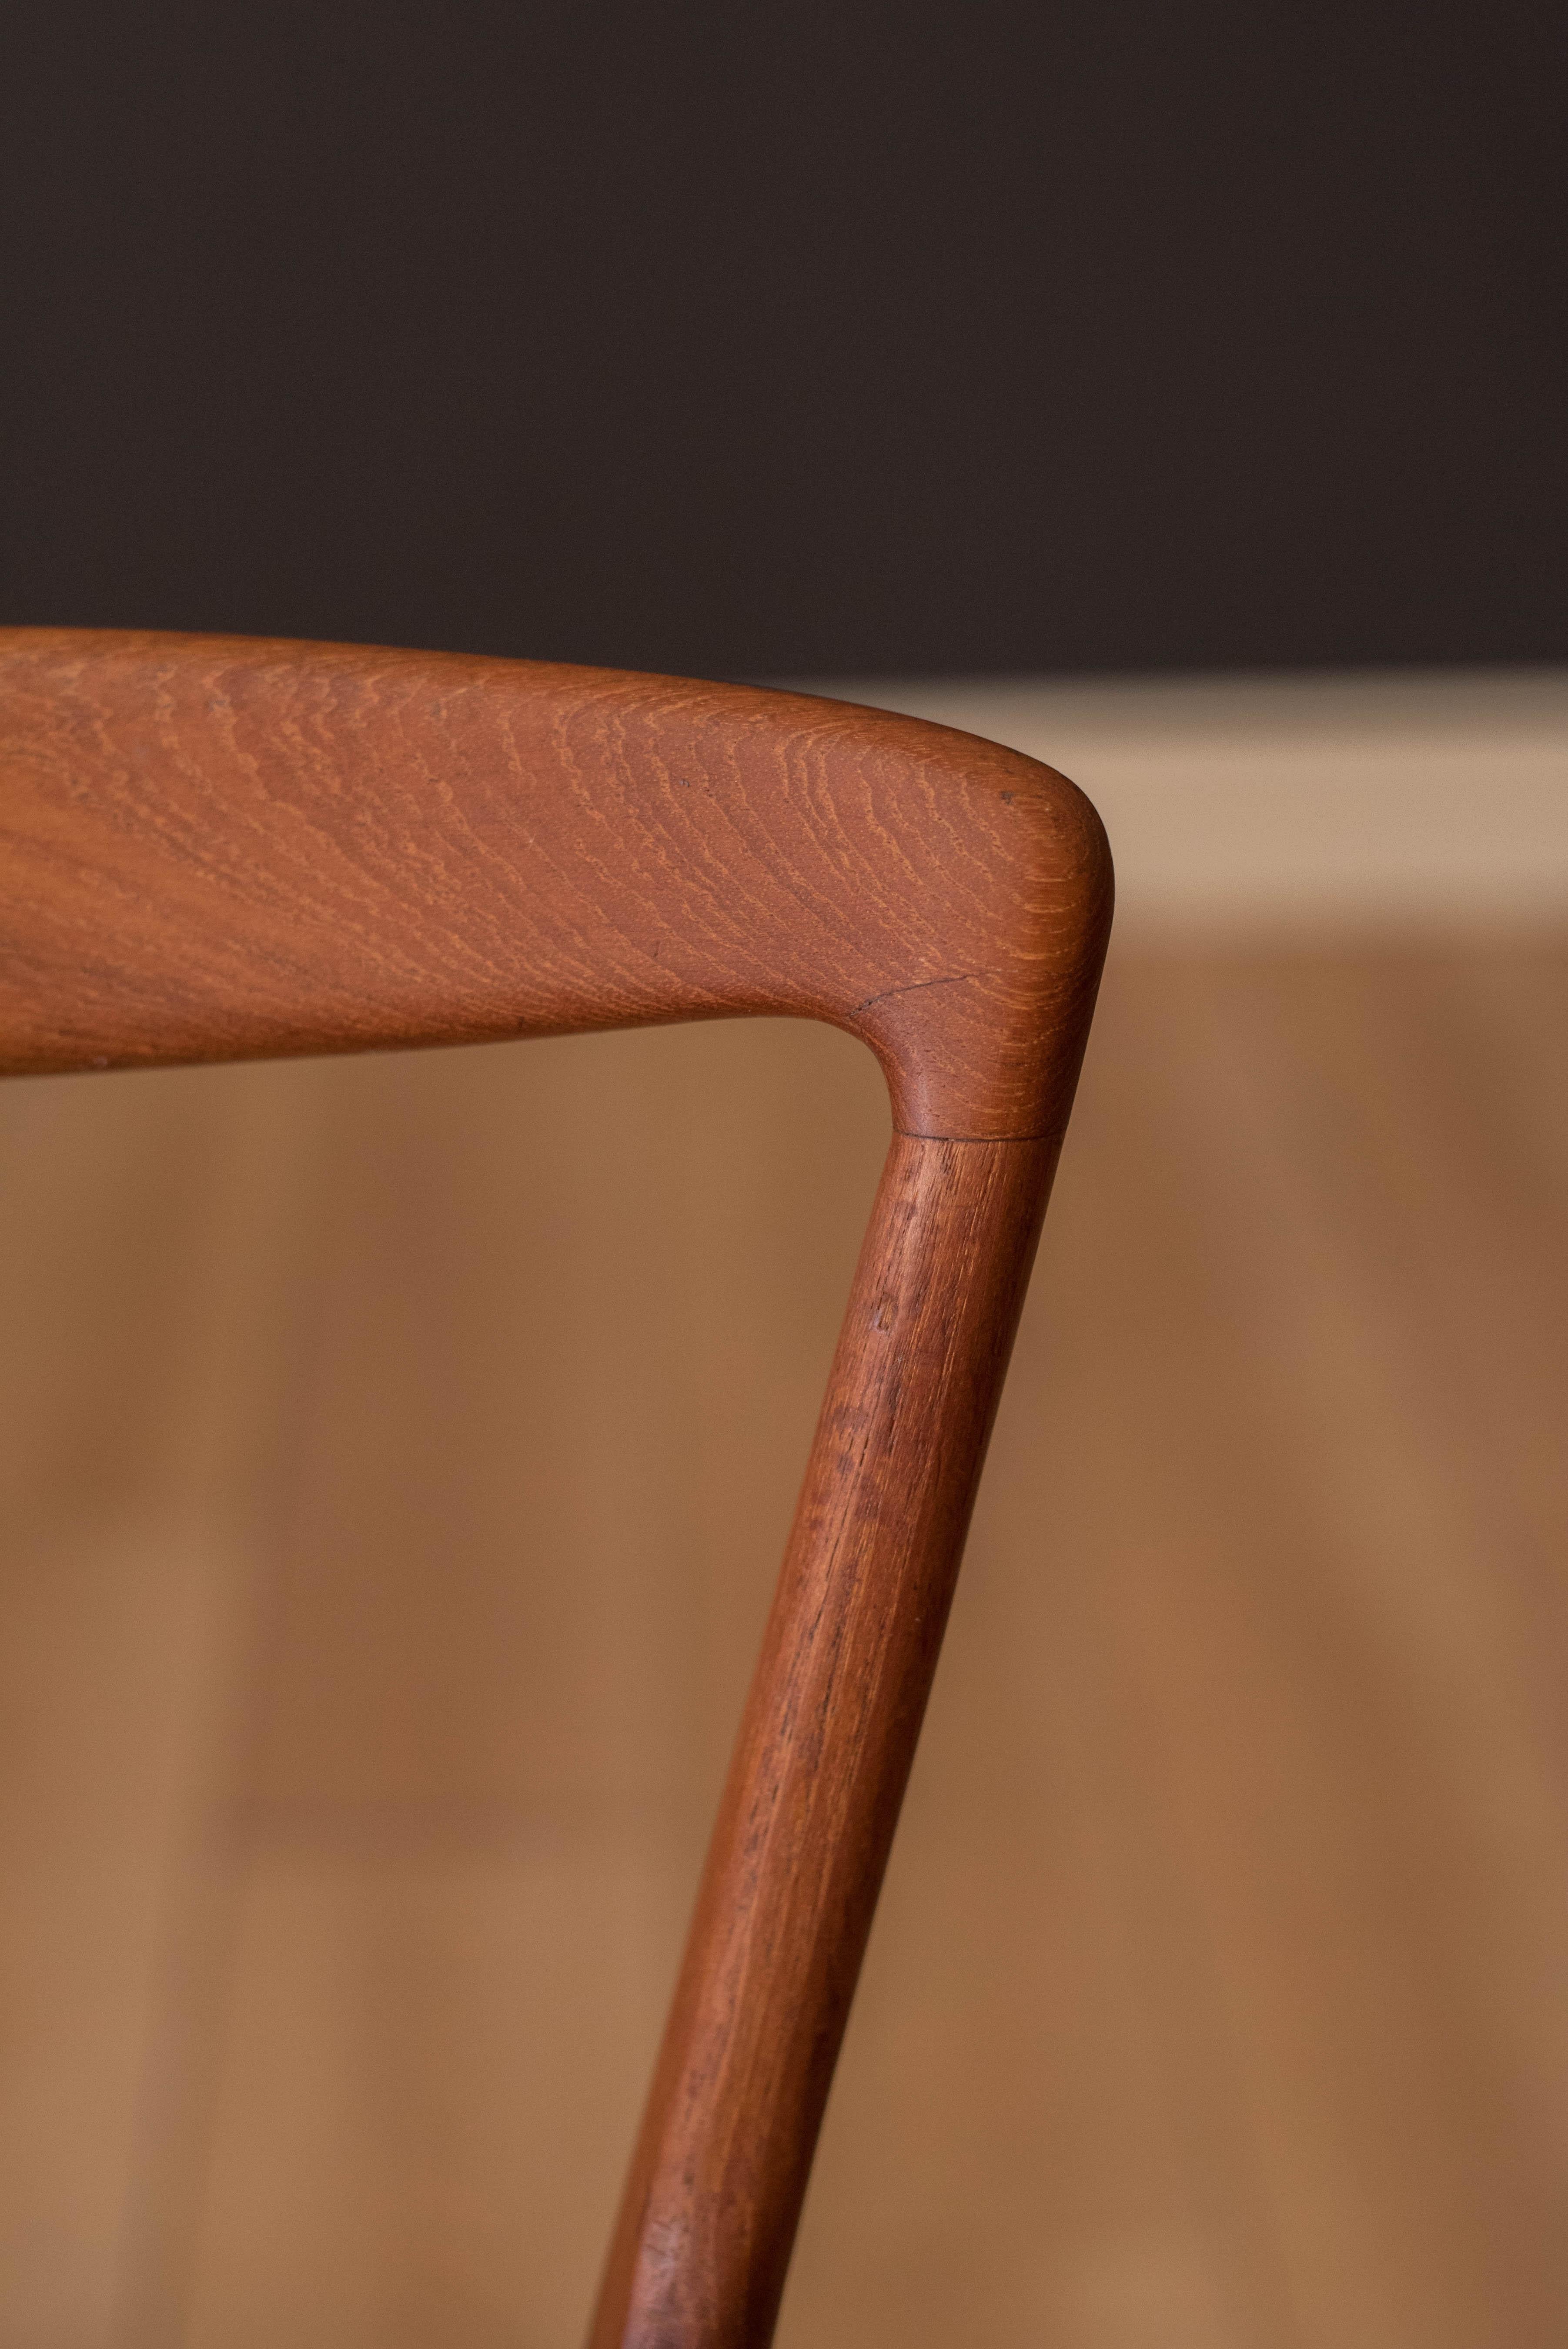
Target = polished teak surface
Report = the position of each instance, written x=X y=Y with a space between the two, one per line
x=221 y=848
x=225 y=850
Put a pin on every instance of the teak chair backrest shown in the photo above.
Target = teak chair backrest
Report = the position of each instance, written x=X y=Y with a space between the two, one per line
x=221 y=849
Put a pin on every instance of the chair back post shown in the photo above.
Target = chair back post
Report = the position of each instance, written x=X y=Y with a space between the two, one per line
x=824 y=1749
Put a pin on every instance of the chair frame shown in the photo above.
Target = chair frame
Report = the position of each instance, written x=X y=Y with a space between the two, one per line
x=217 y=849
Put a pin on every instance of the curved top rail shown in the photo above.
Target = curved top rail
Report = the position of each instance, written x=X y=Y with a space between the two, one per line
x=228 y=848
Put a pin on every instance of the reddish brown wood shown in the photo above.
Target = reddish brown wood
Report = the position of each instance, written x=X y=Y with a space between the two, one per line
x=215 y=849
x=824 y=1749
x=221 y=848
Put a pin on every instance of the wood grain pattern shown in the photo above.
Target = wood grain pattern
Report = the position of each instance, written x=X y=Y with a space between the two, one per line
x=825 y=1747
x=227 y=849
x=220 y=850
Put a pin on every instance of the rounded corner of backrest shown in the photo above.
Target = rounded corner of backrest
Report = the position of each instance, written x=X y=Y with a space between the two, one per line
x=987 y=1046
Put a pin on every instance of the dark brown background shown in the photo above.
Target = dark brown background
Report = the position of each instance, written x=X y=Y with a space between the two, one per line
x=810 y=339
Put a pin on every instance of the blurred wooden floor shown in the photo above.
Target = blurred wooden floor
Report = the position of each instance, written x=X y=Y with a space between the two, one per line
x=396 y=1458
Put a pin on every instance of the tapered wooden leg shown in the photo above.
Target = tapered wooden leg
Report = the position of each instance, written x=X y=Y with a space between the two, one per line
x=819 y=1766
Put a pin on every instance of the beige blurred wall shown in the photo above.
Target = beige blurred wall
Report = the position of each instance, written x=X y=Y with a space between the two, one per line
x=396 y=1456
x=1379 y=800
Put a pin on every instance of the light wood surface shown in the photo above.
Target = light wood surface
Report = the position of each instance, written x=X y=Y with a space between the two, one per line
x=366 y=1704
